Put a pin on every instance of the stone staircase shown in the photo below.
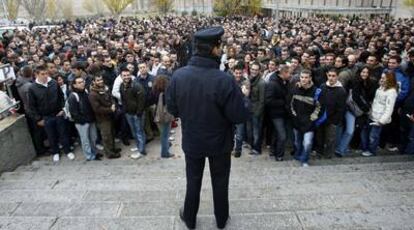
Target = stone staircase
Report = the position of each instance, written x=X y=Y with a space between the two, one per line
x=347 y=193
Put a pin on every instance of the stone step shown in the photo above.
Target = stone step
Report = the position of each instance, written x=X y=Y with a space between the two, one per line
x=265 y=160
x=78 y=182
x=160 y=171
x=156 y=192
x=139 y=208
x=377 y=218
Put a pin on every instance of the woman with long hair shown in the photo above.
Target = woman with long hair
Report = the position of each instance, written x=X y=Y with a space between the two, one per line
x=162 y=117
x=362 y=93
x=380 y=113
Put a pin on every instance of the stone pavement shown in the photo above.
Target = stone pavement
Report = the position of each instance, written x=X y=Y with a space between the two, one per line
x=348 y=193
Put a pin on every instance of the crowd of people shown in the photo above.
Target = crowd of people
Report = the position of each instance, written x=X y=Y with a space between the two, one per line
x=320 y=84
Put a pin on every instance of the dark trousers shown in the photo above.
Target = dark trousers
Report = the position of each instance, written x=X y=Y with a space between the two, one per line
x=38 y=136
x=391 y=132
x=406 y=136
x=107 y=133
x=326 y=140
x=56 y=131
x=220 y=173
x=122 y=130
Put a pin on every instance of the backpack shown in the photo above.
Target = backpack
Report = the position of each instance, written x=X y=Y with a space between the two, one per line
x=66 y=108
x=324 y=116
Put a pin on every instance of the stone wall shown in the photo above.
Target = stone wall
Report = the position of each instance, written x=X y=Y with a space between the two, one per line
x=16 y=147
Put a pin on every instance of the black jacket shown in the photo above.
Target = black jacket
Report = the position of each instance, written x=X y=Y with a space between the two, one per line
x=133 y=98
x=147 y=83
x=363 y=94
x=109 y=75
x=333 y=100
x=304 y=108
x=276 y=95
x=376 y=72
x=209 y=103
x=80 y=108
x=45 y=101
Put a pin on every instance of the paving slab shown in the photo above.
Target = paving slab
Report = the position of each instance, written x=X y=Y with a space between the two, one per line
x=147 y=223
x=282 y=220
x=40 y=196
x=26 y=223
x=59 y=209
x=380 y=218
x=7 y=209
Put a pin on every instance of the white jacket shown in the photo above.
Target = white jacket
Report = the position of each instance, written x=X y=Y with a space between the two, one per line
x=383 y=105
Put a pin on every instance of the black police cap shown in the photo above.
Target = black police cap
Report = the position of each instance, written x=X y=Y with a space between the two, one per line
x=209 y=35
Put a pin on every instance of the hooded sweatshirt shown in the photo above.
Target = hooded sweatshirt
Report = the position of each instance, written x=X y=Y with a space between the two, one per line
x=333 y=100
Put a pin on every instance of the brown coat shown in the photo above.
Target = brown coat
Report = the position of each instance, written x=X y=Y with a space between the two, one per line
x=101 y=101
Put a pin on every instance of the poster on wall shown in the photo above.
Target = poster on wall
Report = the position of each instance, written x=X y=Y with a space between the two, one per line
x=6 y=73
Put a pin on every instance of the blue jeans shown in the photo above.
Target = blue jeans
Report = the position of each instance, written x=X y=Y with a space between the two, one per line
x=136 y=124
x=303 y=145
x=164 y=135
x=370 y=137
x=257 y=131
x=345 y=136
x=88 y=136
x=56 y=132
x=280 y=132
x=239 y=137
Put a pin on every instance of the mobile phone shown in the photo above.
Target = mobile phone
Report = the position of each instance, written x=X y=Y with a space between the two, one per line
x=408 y=115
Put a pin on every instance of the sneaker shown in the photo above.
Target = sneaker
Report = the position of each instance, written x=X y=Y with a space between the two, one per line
x=71 y=156
x=171 y=139
x=367 y=154
x=100 y=147
x=168 y=156
x=392 y=149
x=305 y=165
x=135 y=155
x=117 y=140
x=56 y=157
x=134 y=149
x=267 y=146
x=247 y=146
x=172 y=131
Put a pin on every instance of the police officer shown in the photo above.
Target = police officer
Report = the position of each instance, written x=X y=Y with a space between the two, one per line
x=209 y=104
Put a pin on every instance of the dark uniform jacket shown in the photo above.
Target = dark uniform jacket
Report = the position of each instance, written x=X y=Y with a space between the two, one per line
x=209 y=103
